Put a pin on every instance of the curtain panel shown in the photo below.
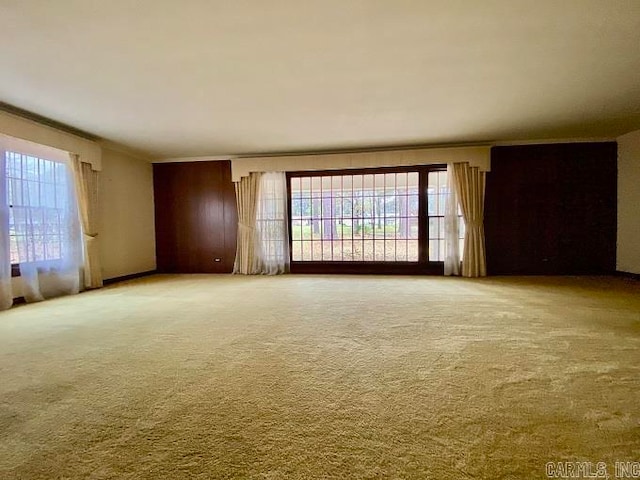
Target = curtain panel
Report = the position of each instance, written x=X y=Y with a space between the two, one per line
x=247 y=202
x=6 y=296
x=43 y=196
x=52 y=269
x=272 y=224
x=86 y=185
x=470 y=186
x=451 y=227
x=263 y=237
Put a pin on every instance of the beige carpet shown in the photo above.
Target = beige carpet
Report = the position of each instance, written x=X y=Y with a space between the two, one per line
x=333 y=377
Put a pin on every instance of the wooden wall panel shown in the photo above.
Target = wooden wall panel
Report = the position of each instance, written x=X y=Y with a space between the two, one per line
x=551 y=209
x=196 y=219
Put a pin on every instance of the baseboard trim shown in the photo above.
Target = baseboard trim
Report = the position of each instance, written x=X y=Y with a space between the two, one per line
x=19 y=301
x=634 y=276
x=131 y=276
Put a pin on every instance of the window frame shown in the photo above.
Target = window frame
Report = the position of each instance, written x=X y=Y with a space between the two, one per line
x=422 y=267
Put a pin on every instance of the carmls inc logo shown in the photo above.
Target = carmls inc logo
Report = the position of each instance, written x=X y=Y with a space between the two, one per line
x=592 y=470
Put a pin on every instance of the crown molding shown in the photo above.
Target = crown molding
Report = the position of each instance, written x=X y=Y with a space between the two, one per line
x=388 y=148
x=206 y=158
x=118 y=147
x=42 y=120
x=508 y=143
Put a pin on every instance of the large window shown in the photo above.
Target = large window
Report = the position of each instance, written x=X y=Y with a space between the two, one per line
x=366 y=217
x=369 y=216
x=38 y=196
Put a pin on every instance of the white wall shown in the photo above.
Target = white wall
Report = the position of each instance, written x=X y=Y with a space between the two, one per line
x=127 y=230
x=628 y=255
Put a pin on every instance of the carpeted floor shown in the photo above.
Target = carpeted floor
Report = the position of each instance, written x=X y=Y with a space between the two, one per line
x=332 y=377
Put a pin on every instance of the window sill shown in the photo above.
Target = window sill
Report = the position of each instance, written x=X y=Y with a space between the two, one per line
x=384 y=268
x=44 y=265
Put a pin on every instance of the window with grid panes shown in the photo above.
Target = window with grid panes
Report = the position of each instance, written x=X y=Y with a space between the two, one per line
x=378 y=216
x=37 y=195
x=355 y=218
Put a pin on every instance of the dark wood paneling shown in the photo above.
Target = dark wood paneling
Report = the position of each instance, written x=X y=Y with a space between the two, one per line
x=196 y=219
x=551 y=209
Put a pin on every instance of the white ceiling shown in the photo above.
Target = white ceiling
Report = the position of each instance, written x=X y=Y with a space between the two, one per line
x=190 y=78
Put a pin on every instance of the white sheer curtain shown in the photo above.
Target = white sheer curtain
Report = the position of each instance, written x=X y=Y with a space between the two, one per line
x=50 y=245
x=451 y=227
x=470 y=184
x=272 y=224
x=6 y=296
